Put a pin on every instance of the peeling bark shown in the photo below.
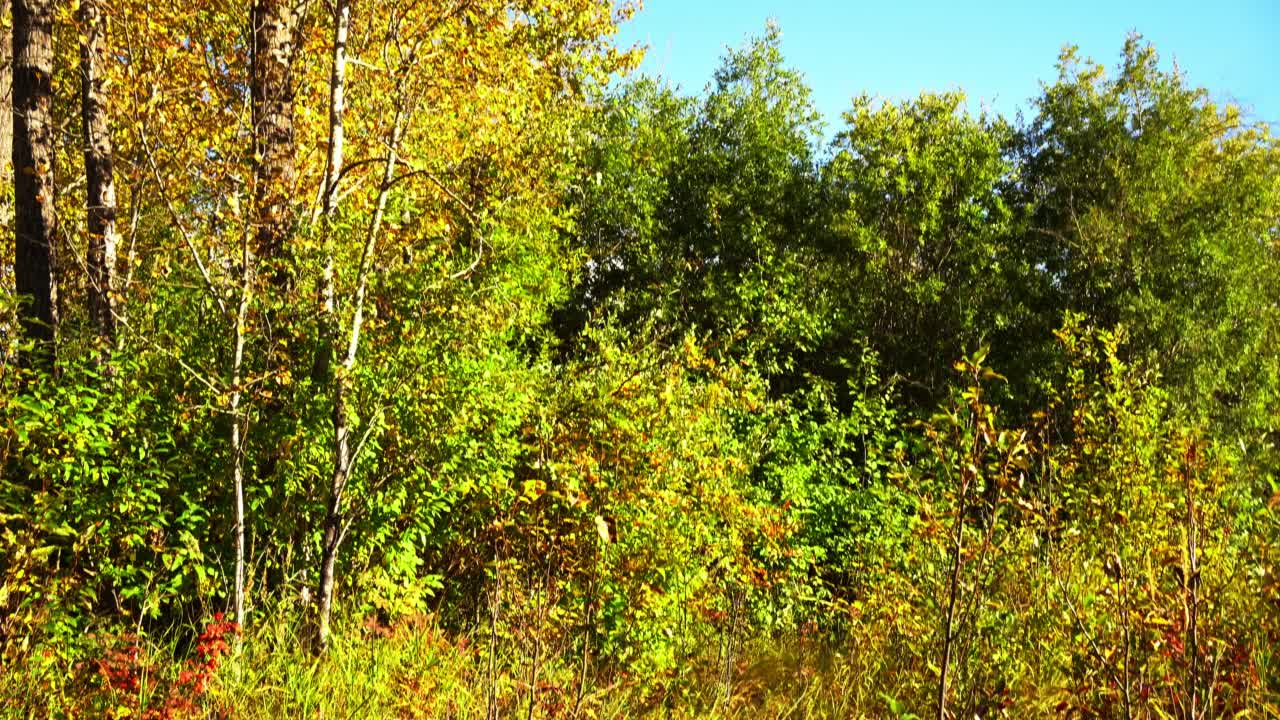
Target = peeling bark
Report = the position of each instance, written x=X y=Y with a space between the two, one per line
x=101 y=200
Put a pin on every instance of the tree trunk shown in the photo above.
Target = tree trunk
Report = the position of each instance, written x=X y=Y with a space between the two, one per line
x=1191 y=589
x=35 y=222
x=6 y=112
x=333 y=518
x=343 y=457
x=101 y=202
x=275 y=34
x=337 y=105
x=953 y=593
x=237 y=422
x=333 y=172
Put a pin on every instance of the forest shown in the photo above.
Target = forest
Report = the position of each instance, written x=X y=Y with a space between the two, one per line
x=423 y=359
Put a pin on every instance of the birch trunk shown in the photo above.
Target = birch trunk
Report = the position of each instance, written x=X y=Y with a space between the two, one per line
x=100 y=204
x=237 y=422
x=334 y=524
x=333 y=173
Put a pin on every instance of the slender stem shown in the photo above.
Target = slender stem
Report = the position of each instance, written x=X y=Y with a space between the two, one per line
x=342 y=465
x=1191 y=582
x=495 y=609
x=237 y=422
x=1125 y=636
x=329 y=189
x=953 y=591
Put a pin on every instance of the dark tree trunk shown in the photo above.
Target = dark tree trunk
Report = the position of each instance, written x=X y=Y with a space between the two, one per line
x=275 y=33
x=101 y=201
x=35 y=222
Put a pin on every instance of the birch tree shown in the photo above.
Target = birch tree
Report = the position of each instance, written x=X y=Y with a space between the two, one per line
x=100 y=204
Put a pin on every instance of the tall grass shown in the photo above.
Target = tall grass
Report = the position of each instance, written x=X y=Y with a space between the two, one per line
x=417 y=671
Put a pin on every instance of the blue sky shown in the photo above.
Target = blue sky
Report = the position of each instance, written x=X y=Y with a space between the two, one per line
x=997 y=52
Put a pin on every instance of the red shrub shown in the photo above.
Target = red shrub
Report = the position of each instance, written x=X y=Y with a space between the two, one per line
x=124 y=668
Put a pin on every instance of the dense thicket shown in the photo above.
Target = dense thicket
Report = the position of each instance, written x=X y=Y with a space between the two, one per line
x=398 y=316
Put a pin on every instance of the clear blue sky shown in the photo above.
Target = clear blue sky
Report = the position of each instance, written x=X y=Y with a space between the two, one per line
x=997 y=52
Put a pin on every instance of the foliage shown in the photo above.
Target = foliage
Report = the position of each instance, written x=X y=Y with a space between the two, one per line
x=595 y=399
x=1150 y=206
x=919 y=232
x=700 y=214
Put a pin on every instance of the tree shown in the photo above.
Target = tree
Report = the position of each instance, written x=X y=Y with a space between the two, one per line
x=99 y=173
x=36 y=225
x=917 y=248
x=437 y=186
x=1144 y=204
x=639 y=139
x=705 y=214
x=341 y=384
x=277 y=27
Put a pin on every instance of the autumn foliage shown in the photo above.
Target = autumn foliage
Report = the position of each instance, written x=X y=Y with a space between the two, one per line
x=410 y=359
